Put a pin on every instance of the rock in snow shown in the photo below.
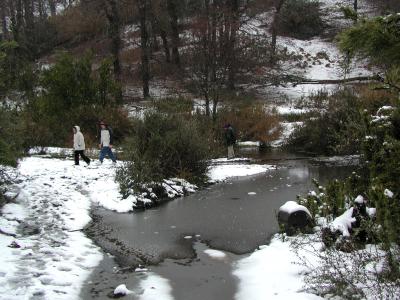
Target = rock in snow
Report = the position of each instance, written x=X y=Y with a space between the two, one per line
x=121 y=290
x=294 y=217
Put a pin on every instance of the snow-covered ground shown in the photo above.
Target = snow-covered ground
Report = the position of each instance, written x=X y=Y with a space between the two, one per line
x=44 y=252
x=273 y=272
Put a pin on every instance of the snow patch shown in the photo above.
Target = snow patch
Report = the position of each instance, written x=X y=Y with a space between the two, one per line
x=292 y=206
x=271 y=273
x=388 y=193
x=359 y=200
x=121 y=290
x=215 y=253
x=343 y=222
x=223 y=172
x=156 y=287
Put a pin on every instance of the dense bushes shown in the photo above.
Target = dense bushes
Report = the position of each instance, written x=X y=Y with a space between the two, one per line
x=251 y=121
x=347 y=274
x=368 y=271
x=11 y=142
x=72 y=94
x=337 y=129
x=10 y=136
x=162 y=147
x=17 y=77
x=78 y=24
x=300 y=19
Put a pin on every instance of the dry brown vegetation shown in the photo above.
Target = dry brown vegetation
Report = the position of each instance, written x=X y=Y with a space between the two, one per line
x=252 y=122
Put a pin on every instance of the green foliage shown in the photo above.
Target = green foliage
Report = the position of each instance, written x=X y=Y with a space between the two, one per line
x=382 y=158
x=377 y=180
x=11 y=140
x=300 y=19
x=338 y=129
x=349 y=13
x=332 y=201
x=69 y=84
x=16 y=72
x=377 y=39
x=162 y=147
x=72 y=94
x=105 y=85
x=10 y=136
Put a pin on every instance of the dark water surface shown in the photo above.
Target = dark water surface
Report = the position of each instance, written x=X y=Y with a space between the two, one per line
x=224 y=217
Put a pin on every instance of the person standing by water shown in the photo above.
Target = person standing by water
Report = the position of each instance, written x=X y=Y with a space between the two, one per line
x=106 y=142
x=230 y=139
x=79 y=146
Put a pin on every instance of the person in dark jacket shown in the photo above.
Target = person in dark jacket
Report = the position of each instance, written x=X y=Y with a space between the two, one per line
x=230 y=139
x=106 y=142
x=79 y=146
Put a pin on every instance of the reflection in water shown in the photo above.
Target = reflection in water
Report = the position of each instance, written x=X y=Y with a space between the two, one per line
x=300 y=173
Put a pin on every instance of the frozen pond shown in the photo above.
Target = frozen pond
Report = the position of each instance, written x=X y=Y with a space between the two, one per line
x=174 y=240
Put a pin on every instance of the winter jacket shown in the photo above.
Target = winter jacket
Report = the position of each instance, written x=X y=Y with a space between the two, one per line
x=106 y=137
x=79 y=140
x=230 y=137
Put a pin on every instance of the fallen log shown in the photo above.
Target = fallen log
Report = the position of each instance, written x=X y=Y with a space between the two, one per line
x=337 y=81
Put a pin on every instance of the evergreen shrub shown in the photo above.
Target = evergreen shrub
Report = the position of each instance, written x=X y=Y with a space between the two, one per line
x=11 y=136
x=11 y=145
x=345 y=274
x=339 y=129
x=300 y=19
x=163 y=147
x=72 y=94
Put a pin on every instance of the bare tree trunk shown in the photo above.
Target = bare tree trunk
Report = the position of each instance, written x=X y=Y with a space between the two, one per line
x=52 y=6
x=234 y=27
x=3 y=14
x=111 y=10
x=213 y=56
x=159 y=27
x=338 y=81
x=29 y=29
x=153 y=34
x=18 y=21
x=206 y=39
x=355 y=5
x=274 y=29
x=144 y=38
x=28 y=15
x=42 y=9
x=12 y=14
x=163 y=35
x=173 y=13
x=214 y=108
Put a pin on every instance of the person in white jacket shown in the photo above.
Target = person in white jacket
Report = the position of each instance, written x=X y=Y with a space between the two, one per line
x=79 y=146
x=106 y=143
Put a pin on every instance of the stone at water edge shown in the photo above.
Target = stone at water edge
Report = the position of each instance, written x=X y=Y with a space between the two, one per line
x=120 y=291
x=294 y=217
